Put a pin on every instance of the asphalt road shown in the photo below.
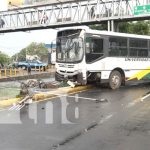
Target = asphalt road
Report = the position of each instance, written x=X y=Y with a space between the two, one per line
x=118 y=120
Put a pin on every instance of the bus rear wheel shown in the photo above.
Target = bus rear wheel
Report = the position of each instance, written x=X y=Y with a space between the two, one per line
x=115 y=80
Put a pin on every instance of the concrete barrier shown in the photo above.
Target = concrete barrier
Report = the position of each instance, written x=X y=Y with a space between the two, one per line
x=9 y=102
x=59 y=91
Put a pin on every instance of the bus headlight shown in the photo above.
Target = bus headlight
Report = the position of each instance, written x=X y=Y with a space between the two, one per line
x=98 y=75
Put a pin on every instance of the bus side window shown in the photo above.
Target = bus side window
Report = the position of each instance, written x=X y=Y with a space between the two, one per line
x=138 y=48
x=94 y=48
x=118 y=46
x=97 y=45
x=88 y=41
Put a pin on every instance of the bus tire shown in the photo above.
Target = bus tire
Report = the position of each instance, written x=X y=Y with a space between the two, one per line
x=115 y=80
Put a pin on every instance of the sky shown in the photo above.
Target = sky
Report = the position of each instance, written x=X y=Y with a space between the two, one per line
x=11 y=43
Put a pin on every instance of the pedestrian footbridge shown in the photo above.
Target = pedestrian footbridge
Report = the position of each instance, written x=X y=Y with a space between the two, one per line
x=62 y=13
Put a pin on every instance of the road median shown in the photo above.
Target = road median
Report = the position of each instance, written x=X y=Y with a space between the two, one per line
x=9 y=102
x=41 y=96
x=58 y=92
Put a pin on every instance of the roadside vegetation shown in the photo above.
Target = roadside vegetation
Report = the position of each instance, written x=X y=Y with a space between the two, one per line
x=33 y=49
x=4 y=59
x=139 y=27
x=37 y=49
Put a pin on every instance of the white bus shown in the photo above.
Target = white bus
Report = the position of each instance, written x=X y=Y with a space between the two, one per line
x=85 y=55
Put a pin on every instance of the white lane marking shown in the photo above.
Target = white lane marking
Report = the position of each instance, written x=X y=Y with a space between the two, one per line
x=92 y=99
x=144 y=97
x=131 y=104
x=106 y=118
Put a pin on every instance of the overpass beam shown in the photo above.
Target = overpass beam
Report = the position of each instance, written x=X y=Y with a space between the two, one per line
x=116 y=27
x=108 y=25
x=112 y=25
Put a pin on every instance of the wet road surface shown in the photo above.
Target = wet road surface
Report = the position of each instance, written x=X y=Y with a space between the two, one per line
x=118 y=120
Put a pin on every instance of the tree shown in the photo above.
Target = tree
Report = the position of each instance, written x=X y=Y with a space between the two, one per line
x=4 y=58
x=138 y=27
x=99 y=26
x=33 y=49
x=124 y=27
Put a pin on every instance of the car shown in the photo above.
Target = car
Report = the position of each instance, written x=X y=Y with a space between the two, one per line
x=33 y=64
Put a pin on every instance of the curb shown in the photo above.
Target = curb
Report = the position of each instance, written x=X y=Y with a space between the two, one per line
x=46 y=95
x=60 y=91
x=9 y=102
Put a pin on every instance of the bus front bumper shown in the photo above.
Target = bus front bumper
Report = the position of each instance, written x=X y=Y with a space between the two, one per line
x=74 y=78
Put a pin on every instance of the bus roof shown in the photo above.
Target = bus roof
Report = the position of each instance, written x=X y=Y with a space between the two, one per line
x=74 y=28
x=110 y=33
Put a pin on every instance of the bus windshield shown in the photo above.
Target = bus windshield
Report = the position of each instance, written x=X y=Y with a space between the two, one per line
x=69 y=48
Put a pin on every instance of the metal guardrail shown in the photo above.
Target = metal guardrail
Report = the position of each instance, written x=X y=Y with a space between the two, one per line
x=8 y=72
x=14 y=72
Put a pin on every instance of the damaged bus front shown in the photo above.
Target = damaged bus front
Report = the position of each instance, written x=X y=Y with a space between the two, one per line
x=70 y=51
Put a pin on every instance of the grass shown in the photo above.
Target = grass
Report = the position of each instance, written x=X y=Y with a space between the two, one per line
x=6 y=93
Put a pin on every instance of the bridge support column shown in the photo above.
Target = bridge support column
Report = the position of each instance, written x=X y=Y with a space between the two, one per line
x=112 y=26
x=116 y=27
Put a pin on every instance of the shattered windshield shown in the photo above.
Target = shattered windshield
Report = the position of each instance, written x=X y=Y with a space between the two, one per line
x=69 y=49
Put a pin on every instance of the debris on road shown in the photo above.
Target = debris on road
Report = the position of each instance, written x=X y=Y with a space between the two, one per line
x=71 y=84
x=19 y=105
x=38 y=90
x=47 y=85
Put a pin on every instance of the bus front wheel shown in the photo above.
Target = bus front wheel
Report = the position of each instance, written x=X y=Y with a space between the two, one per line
x=115 y=80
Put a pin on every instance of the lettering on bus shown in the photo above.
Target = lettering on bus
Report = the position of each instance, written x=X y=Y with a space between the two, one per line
x=137 y=59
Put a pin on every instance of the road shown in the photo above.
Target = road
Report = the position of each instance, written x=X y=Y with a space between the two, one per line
x=118 y=120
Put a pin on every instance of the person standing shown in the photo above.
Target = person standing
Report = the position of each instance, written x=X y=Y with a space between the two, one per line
x=2 y=23
x=92 y=12
x=29 y=69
